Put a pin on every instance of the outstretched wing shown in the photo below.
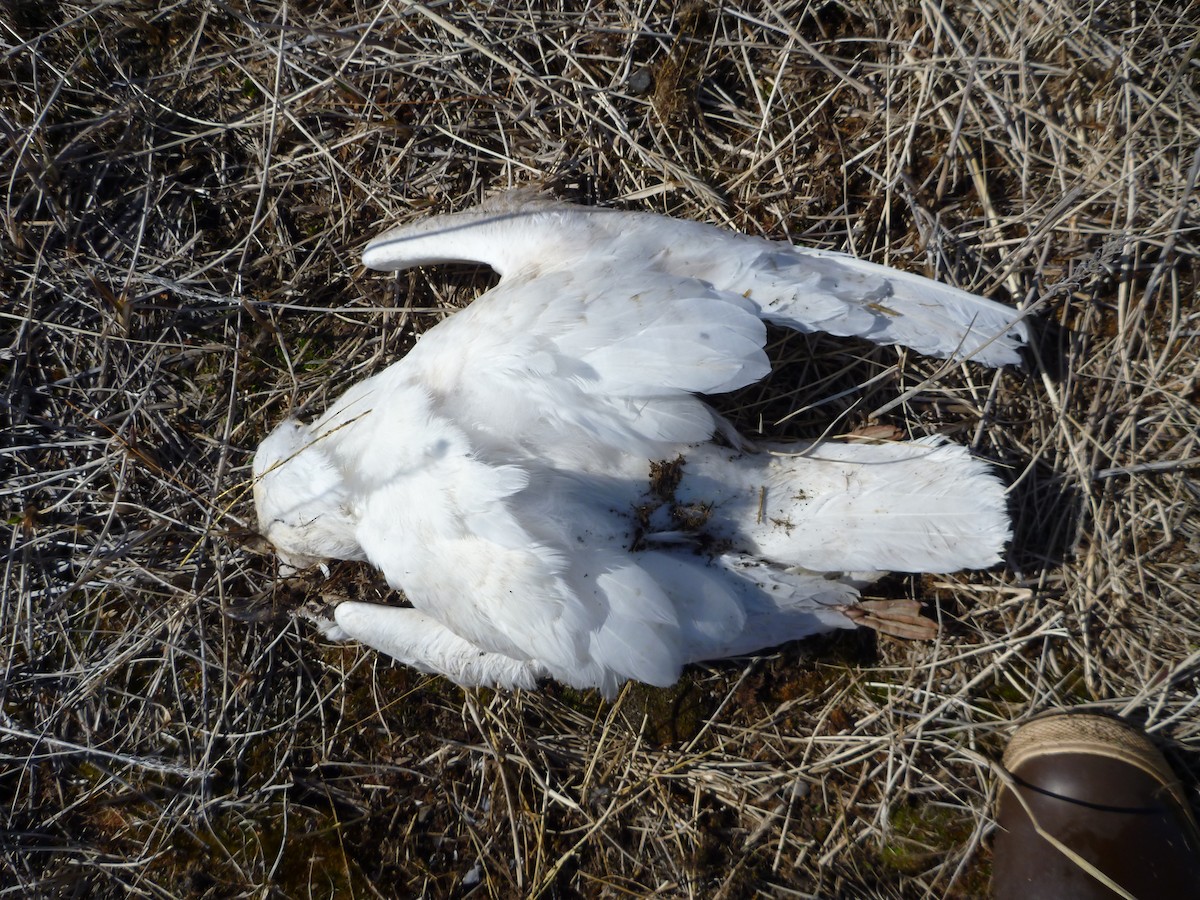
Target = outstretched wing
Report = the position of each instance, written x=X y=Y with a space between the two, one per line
x=796 y=287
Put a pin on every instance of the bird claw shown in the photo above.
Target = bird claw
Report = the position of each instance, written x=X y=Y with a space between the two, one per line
x=898 y=618
x=320 y=614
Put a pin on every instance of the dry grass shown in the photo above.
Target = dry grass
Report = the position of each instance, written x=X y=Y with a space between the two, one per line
x=185 y=190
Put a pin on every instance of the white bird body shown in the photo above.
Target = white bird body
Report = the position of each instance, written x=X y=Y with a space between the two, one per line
x=501 y=473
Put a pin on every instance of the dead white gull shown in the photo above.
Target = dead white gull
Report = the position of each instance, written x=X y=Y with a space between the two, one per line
x=538 y=474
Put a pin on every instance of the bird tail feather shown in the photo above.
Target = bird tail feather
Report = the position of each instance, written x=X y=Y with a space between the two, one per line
x=916 y=506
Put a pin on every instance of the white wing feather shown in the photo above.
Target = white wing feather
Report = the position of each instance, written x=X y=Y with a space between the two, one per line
x=556 y=368
x=797 y=287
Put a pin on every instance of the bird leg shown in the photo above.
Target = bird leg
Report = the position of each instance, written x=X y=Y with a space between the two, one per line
x=899 y=618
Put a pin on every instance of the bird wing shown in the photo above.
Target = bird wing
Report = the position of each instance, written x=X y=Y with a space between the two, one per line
x=576 y=366
x=823 y=290
x=524 y=231
x=475 y=535
x=445 y=532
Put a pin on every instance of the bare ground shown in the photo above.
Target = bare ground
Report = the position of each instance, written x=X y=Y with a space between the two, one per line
x=186 y=188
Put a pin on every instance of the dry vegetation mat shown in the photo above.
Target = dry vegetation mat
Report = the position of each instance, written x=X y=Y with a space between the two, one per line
x=186 y=188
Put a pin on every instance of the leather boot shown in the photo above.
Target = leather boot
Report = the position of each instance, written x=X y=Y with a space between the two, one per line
x=1104 y=793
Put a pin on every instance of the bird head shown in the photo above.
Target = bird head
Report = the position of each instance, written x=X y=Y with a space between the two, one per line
x=303 y=506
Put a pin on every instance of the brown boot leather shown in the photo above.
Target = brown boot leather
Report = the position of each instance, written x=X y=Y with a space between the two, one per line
x=1102 y=790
